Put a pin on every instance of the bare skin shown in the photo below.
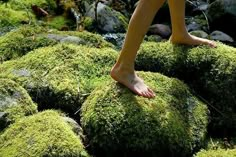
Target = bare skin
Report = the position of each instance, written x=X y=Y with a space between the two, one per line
x=123 y=70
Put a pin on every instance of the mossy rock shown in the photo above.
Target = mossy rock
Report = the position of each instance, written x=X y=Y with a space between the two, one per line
x=119 y=123
x=10 y=17
x=48 y=5
x=15 y=103
x=211 y=72
x=27 y=38
x=217 y=153
x=60 y=76
x=22 y=40
x=43 y=134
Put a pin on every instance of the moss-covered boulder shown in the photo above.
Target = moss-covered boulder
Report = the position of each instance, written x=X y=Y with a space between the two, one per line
x=12 y=18
x=15 y=103
x=27 y=38
x=217 y=153
x=48 y=5
x=22 y=40
x=119 y=123
x=60 y=76
x=211 y=72
x=43 y=134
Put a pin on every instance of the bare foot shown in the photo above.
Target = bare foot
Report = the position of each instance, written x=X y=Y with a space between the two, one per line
x=132 y=81
x=192 y=40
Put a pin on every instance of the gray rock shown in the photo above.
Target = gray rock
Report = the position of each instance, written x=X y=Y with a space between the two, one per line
x=218 y=35
x=193 y=26
x=56 y=37
x=116 y=39
x=109 y=20
x=200 y=33
x=160 y=29
x=73 y=40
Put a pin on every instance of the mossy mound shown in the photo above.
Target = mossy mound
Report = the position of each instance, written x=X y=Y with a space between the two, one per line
x=217 y=153
x=15 y=103
x=60 y=76
x=22 y=40
x=27 y=38
x=119 y=123
x=10 y=17
x=43 y=134
x=211 y=72
x=48 y=5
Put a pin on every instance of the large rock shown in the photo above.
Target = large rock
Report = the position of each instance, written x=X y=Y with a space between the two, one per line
x=120 y=123
x=15 y=103
x=27 y=38
x=108 y=20
x=209 y=71
x=222 y=16
x=43 y=134
x=61 y=76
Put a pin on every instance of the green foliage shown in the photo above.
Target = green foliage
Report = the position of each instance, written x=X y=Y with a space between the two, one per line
x=61 y=76
x=43 y=134
x=120 y=123
x=211 y=72
x=217 y=153
x=15 y=102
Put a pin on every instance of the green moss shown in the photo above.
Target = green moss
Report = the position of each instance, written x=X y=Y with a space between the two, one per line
x=26 y=4
x=15 y=102
x=119 y=123
x=10 y=17
x=211 y=72
x=60 y=76
x=19 y=42
x=43 y=134
x=58 y=22
x=26 y=38
x=89 y=24
x=217 y=153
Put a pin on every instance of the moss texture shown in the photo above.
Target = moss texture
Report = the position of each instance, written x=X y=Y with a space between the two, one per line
x=22 y=40
x=43 y=134
x=48 y=5
x=211 y=72
x=15 y=102
x=217 y=153
x=119 y=123
x=10 y=17
x=60 y=76
x=26 y=38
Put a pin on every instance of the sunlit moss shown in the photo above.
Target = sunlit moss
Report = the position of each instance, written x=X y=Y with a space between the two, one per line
x=10 y=17
x=22 y=40
x=43 y=134
x=211 y=72
x=26 y=38
x=26 y=4
x=15 y=102
x=217 y=153
x=118 y=123
x=61 y=76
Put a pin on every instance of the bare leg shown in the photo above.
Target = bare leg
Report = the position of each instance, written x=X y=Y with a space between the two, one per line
x=123 y=70
x=179 y=32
